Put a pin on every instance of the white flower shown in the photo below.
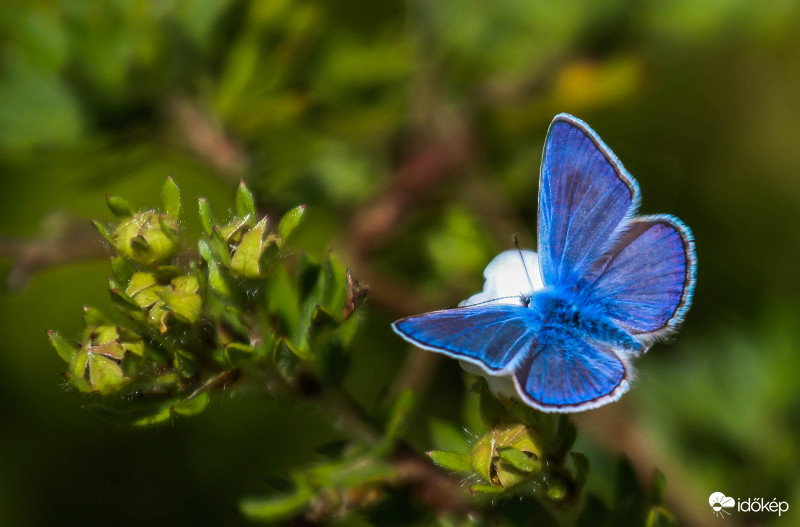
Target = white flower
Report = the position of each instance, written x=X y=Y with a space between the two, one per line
x=508 y=281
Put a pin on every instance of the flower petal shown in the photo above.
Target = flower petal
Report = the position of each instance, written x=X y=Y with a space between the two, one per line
x=507 y=280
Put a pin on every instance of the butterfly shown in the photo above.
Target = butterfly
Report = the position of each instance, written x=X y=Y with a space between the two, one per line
x=605 y=285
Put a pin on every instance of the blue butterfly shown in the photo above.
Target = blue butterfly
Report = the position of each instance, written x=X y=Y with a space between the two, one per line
x=611 y=283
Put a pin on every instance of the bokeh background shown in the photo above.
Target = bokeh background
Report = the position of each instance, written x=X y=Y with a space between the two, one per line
x=413 y=131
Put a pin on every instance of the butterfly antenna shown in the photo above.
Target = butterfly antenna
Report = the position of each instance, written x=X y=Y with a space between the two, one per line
x=490 y=301
x=527 y=274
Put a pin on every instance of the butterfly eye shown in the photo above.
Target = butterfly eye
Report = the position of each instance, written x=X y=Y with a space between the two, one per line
x=525 y=299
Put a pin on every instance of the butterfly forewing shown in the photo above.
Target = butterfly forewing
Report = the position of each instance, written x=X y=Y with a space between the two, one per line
x=493 y=336
x=584 y=194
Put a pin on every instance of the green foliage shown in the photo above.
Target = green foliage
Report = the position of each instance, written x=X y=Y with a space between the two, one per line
x=234 y=312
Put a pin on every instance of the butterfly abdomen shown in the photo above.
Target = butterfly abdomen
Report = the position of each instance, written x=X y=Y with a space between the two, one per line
x=564 y=310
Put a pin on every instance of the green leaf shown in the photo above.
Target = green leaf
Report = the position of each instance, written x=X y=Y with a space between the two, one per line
x=219 y=247
x=232 y=232
x=171 y=197
x=488 y=489
x=238 y=353
x=207 y=218
x=556 y=490
x=286 y=360
x=517 y=459
x=354 y=472
x=131 y=364
x=78 y=382
x=186 y=306
x=165 y=273
x=139 y=281
x=281 y=295
x=290 y=221
x=122 y=269
x=103 y=231
x=186 y=283
x=334 y=285
x=451 y=460
x=447 y=436
x=399 y=415
x=63 y=347
x=120 y=298
x=658 y=516
x=150 y=414
x=268 y=253
x=93 y=316
x=147 y=417
x=629 y=496
x=126 y=304
x=119 y=207
x=245 y=205
x=279 y=507
x=204 y=249
x=245 y=261
x=184 y=363
x=581 y=463
x=191 y=406
x=105 y=374
x=322 y=321
x=169 y=231
x=220 y=280
x=140 y=246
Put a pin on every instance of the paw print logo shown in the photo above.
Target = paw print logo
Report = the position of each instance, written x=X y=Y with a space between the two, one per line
x=719 y=502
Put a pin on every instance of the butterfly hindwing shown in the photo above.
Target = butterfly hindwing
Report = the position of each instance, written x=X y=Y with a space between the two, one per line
x=646 y=280
x=567 y=374
x=584 y=195
x=492 y=336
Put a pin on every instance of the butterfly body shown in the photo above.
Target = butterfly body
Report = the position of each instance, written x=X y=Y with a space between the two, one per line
x=566 y=311
x=608 y=284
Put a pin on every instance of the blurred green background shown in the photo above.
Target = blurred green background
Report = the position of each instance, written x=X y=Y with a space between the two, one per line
x=413 y=130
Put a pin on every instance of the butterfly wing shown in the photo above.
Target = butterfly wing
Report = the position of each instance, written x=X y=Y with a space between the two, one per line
x=567 y=374
x=646 y=280
x=494 y=337
x=584 y=195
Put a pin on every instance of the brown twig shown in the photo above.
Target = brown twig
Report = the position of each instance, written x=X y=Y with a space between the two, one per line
x=197 y=131
x=65 y=238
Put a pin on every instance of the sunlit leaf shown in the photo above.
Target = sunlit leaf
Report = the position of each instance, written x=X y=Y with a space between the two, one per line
x=207 y=219
x=63 y=347
x=290 y=221
x=171 y=198
x=245 y=204
x=278 y=507
x=245 y=261
x=120 y=207
x=451 y=460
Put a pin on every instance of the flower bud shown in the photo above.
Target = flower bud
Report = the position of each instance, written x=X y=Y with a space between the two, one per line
x=107 y=358
x=147 y=238
x=252 y=255
x=506 y=455
x=177 y=298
